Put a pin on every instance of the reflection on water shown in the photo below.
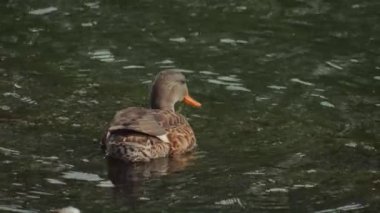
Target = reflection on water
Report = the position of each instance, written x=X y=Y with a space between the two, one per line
x=290 y=121
x=128 y=177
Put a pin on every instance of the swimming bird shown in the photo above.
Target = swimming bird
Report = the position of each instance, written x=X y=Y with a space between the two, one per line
x=138 y=134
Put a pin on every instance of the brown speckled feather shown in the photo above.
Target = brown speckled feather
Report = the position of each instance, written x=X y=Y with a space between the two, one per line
x=134 y=134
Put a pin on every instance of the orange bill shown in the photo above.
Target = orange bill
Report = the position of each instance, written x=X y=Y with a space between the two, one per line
x=190 y=101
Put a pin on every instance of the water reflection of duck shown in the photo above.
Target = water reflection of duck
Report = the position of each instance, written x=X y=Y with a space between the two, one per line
x=122 y=173
x=139 y=134
x=128 y=178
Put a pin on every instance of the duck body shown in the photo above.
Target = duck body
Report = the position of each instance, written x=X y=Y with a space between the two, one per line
x=139 y=134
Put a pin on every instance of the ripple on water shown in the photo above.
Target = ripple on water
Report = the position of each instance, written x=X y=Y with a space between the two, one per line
x=178 y=39
x=230 y=201
x=43 y=11
x=327 y=104
x=166 y=66
x=55 y=181
x=231 y=83
x=92 y=5
x=276 y=87
x=305 y=186
x=349 y=207
x=133 y=67
x=105 y=184
x=205 y=72
x=69 y=209
x=7 y=151
x=103 y=55
x=256 y=172
x=232 y=41
x=297 y=80
x=258 y=98
x=214 y=81
x=282 y=190
x=40 y=193
x=14 y=208
x=237 y=88
x=185 y=71
x=17 y=96
x=317 y=95
x=229 y=78
x=89 y=24
x=81 y=176
x=333 y=65
x=165 y=62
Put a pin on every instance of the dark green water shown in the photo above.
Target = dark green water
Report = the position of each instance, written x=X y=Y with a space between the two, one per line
x=290 y=93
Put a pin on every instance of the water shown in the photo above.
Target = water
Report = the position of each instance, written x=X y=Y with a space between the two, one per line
x=290 y=93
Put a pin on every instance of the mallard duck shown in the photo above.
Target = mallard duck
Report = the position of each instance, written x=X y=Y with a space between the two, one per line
x=139 y=134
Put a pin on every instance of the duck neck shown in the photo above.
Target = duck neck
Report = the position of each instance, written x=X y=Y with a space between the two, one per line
x=163 y=105
x=161 y=101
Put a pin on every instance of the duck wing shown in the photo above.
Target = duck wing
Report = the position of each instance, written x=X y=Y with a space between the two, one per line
x=139 y=120
x=154 y=122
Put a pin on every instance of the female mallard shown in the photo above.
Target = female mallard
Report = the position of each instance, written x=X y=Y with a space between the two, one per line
x=139 y=134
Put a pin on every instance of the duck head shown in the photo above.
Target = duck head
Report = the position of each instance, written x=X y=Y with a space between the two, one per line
x=169 y=87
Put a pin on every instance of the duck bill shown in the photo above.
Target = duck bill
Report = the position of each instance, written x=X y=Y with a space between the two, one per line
x=191 y=102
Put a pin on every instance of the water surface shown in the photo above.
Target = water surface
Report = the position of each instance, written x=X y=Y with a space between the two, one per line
x=290 y=93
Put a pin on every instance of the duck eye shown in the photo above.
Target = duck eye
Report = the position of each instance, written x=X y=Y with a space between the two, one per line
x=182 y=81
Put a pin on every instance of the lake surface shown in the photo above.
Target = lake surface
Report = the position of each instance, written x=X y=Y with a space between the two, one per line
x=290 y=91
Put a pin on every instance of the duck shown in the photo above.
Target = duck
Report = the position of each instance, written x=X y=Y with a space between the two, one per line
x=138 y=134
